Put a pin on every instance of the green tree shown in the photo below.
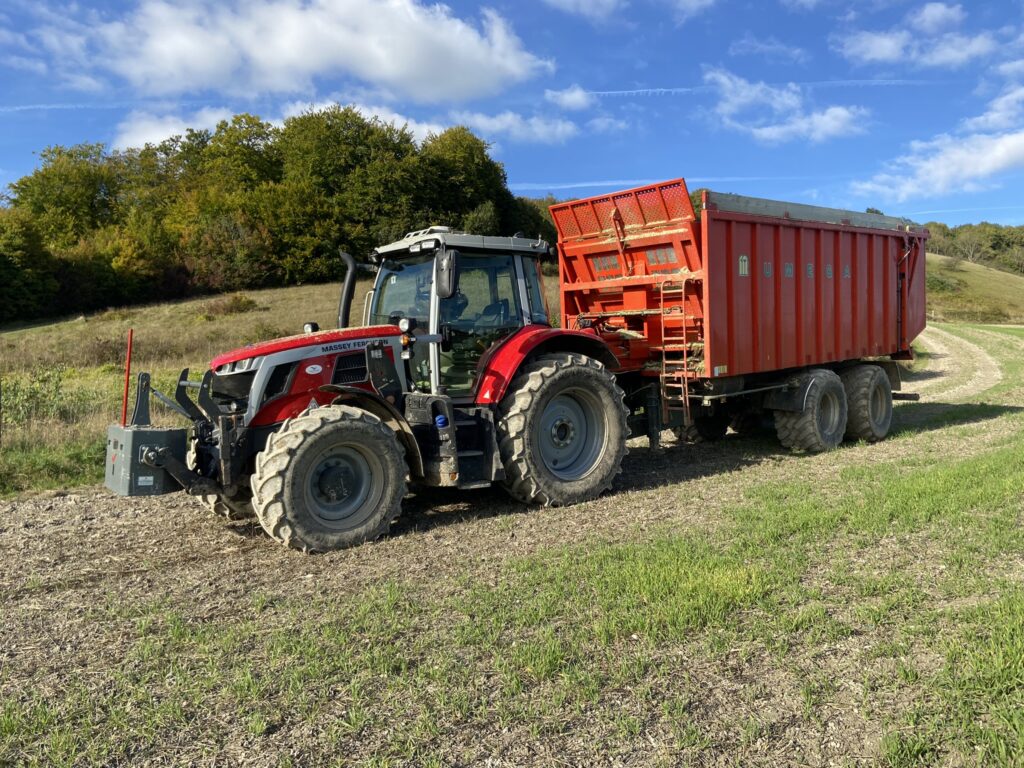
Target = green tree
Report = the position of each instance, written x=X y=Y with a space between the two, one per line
x=74 y=191
x=27 y=283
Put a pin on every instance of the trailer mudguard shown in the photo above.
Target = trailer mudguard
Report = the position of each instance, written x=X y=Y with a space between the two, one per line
x=501 y=364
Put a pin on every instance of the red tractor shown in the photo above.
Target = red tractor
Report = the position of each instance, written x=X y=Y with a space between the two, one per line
x=457 y=378
x=753 y=311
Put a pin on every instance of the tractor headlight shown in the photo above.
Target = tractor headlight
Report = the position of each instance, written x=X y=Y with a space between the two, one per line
x=405 y=325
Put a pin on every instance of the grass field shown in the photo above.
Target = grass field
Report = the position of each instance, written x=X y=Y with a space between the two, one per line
x=727 y=604
x=973 y=293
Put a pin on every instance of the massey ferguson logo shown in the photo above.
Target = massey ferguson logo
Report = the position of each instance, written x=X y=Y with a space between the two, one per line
x=341 y=346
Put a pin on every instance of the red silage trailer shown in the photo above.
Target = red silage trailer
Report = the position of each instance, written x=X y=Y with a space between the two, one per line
x=753 y=308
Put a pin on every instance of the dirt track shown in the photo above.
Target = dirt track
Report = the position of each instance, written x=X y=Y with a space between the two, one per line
x=67 y=552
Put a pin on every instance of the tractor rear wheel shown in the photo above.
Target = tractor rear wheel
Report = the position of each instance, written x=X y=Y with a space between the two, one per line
x=331 y=478
x=822 y=423
x=869 y=395
x=562 y=431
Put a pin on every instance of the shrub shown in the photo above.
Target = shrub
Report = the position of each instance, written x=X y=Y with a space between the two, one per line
x=41 y=396
x=235 y=304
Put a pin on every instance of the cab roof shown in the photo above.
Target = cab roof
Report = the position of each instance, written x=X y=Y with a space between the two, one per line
x=449 y=238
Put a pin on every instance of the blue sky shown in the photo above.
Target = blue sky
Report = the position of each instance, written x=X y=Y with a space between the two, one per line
x=913 y=107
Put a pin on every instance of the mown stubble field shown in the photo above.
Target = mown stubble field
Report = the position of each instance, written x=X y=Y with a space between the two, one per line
x=727 y=605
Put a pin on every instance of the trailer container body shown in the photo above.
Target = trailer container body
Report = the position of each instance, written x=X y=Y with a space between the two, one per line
x=748 y=287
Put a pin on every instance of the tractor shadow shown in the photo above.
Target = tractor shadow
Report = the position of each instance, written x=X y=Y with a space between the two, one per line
x=644 y=469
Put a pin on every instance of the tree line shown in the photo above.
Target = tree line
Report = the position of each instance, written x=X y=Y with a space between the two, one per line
x=246 y=205
x=993 y=245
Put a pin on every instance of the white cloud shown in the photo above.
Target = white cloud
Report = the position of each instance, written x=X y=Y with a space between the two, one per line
x=956 y=50
x=419 y=129
x=776 y=114
x=861 y=47
x=987 y=146
x=1003 y=112
x=1011 y=69
x=141 y=128
x=933 y=18
x=816 y=126
x=947 y=164
x=686 y=9
x=933 y=45
x=592 y=9
x=737 y=94
x=605 y=124
x=535 y=130
x=573 y=97
x=769 y=47
x=24 y=64
x=424 y=53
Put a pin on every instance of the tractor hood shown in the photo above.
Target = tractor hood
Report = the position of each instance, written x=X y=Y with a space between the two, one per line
x=323 y=338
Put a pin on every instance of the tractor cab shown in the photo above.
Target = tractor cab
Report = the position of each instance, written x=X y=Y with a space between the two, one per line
x=456 y=296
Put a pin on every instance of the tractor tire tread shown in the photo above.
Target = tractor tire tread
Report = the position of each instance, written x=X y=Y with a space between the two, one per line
x=268 y=481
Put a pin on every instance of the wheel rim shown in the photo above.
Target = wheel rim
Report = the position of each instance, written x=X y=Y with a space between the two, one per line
x=828 y=413
x=877 y=405
x=344 y=485
x=572 y=434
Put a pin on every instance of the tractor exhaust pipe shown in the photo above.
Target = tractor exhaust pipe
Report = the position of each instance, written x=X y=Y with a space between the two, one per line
x=347 y=289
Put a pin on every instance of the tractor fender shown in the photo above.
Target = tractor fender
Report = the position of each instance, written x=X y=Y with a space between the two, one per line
x=502 y=363
x=373 y=403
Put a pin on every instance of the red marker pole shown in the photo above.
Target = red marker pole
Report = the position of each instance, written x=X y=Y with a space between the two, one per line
x=127 y=379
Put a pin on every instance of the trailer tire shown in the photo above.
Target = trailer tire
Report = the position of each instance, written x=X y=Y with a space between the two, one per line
x=821 y=425
x=562 y=431
x=704 y=429
x=869 y=399
x=331 y=478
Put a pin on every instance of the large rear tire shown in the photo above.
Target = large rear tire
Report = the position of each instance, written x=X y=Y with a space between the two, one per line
x=869 y=397
x=562 y=431
x=822 y=423
x=331 y=478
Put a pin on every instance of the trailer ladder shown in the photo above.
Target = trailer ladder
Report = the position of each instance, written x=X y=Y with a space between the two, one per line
x=681 y=356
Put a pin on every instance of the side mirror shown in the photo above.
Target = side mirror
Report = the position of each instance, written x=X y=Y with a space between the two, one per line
x=446 y=274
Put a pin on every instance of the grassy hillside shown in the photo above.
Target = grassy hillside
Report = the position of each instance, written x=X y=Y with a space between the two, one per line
x=973 y=293
x=62 y=381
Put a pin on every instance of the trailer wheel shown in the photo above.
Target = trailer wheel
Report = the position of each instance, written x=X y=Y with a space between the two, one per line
x=705 y=429
x=822 y=423
x=869 y=395
x=331 y=478
x=562 y=431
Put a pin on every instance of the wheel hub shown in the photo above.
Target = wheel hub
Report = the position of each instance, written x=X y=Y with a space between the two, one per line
x=563 y=432
x=335 y=481
x=571 y=434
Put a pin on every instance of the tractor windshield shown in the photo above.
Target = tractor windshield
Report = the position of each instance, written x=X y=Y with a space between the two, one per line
x=403 y=290
x=485 y=309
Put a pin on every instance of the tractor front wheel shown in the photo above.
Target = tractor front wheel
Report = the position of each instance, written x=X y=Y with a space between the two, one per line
x=331 y=478
x=562 y=431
